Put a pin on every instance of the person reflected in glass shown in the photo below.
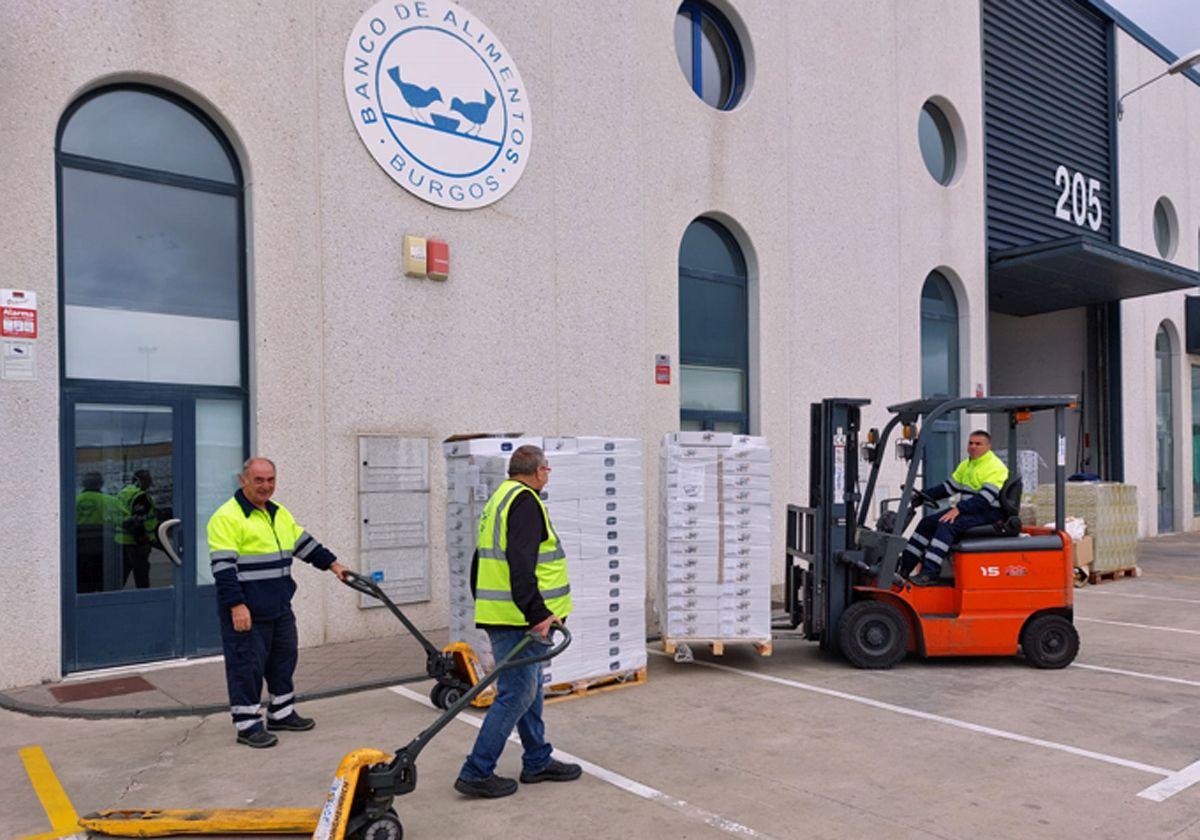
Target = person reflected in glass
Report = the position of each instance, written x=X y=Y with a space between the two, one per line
x=96 y=515
x=137 y=532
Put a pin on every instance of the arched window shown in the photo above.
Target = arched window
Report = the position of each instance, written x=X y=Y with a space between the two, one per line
x=152 y=287
x=713 y=330
x=1164 y=405
x=940 y=371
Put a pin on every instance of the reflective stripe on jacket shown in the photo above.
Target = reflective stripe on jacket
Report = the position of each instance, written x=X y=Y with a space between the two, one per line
x=978 y=482
x=251 y=551
x=493 y=592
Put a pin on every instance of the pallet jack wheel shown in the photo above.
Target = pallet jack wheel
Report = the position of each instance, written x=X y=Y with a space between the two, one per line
x=386 y=827
x=451 y=695
x=873 y=634
x=437 y=695
x=1050 y=641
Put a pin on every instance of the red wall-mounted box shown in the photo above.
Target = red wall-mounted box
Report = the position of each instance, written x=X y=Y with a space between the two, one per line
x=437 y=257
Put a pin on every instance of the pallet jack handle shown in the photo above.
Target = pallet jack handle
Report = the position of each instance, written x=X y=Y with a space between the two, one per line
x=366 y=586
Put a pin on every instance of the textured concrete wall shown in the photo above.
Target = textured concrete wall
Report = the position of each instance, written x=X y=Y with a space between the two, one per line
x=1158 y=156
x=562 y=293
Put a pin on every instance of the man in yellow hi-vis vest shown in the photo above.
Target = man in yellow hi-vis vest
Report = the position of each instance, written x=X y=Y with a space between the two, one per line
x=519 y=580
x=977 y=480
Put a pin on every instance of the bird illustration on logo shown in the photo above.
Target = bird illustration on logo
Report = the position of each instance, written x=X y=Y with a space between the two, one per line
x=418 y=98
x=475 y=113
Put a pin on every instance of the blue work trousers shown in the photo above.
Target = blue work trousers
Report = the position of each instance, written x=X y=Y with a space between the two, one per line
x=267 y=650
x=518 y=704
x=931 y=542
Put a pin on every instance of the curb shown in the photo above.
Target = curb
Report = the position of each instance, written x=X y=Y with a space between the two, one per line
x=34 y=710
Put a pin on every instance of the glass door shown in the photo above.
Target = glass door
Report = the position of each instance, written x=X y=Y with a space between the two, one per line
x=122 y=588
x=1165 y=420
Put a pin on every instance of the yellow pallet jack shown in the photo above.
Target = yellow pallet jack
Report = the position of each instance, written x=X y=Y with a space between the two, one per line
x=359 y=803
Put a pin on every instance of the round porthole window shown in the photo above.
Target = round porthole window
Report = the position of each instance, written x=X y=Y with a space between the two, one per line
x=710 y=54
x=1166 y=228
x=939 y=149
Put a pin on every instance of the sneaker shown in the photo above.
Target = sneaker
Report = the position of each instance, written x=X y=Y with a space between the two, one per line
x=493 y=787
x=555 y=771
x=291 y=723
x=258 y=738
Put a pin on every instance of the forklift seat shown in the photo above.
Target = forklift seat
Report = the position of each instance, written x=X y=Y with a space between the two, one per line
x=1010 y=508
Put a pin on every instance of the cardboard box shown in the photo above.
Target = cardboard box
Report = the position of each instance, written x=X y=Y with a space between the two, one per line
x=1085 y=552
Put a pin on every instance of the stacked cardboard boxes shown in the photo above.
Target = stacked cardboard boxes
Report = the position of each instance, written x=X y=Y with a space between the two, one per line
x=596 y=501
x=715 y=517
x=596 y=498
x=1110 y=511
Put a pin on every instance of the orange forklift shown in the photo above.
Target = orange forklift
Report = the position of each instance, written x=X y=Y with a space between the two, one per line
x=1003 y=588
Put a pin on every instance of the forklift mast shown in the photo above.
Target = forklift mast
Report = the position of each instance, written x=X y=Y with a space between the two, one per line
x=822 y=546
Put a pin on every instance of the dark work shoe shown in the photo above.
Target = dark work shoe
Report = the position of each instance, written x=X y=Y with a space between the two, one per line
x=257 y=737
x=927 y=576
x=291 y=723
x=493 y=787
x=555 y=771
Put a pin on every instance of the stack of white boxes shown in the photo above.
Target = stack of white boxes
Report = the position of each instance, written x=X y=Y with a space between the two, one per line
x=596 y=501
x=715 y=544
x=596 y=498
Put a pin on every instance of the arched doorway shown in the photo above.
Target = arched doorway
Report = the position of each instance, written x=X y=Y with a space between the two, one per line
x=1164 y=411
x=940 y=372
x=152 y=291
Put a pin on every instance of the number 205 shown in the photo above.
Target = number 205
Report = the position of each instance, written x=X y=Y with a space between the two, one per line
x=1083 y=196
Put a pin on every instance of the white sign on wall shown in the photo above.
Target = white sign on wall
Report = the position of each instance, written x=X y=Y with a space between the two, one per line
x=438 y=101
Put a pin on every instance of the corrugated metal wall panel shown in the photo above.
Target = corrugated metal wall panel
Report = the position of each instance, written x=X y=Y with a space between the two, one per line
x=1047 y=103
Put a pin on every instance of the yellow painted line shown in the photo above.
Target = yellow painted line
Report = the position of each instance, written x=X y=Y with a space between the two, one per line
x=63 y=819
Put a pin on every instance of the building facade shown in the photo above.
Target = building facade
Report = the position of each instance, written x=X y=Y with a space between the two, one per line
x=786 y=200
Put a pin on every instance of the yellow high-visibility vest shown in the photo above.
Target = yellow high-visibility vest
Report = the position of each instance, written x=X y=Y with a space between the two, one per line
x=493 y=586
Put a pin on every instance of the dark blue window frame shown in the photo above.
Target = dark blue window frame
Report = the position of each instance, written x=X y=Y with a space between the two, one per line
x=942 y=309
x=699 y=12
x=689 y=355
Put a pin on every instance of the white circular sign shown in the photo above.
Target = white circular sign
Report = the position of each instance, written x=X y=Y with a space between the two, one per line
x=438 y=101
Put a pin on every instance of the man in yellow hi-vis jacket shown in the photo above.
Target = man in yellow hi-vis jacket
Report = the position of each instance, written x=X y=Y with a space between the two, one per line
x=251 y=541
x=977 y=480
x=519 y=580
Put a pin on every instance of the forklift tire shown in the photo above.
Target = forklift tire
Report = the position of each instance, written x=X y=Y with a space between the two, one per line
x=873 y=634
x=1050 y=641
x=386 y=827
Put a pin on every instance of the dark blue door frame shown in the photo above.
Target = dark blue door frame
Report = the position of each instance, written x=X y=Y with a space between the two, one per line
x=192 y=628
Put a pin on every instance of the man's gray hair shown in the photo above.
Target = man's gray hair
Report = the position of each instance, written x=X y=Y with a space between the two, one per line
x=526 y=460
x=250 y=462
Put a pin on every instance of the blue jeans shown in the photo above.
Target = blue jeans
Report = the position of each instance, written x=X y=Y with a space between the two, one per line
x=518 y=703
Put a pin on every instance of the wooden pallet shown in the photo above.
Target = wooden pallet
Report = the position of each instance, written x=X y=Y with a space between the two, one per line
x=717 y=646
x=1115 y=574
x=584 y=688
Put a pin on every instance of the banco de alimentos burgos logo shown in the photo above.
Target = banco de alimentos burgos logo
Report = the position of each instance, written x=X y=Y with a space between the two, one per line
x=438 y=101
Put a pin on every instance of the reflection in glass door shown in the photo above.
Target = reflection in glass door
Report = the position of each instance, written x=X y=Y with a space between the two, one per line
x=125 y=466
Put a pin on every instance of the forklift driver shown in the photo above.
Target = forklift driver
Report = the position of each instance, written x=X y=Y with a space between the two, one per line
x=977 y=481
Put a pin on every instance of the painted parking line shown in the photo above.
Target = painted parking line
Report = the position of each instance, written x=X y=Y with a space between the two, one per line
x=1173 y=784
x=616 y=779
x=1144 y=597
x=64 y=822
x=1139 y=626
x=1181 y=780
x=1156 y=677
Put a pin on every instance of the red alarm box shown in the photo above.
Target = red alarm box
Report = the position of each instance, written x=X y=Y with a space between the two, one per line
x=437 y=256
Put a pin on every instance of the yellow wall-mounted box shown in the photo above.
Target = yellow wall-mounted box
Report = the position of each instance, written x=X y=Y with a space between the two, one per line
x=414 y=255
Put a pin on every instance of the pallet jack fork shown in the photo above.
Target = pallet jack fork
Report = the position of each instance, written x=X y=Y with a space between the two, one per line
x=359 y=803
